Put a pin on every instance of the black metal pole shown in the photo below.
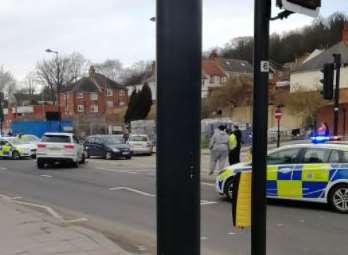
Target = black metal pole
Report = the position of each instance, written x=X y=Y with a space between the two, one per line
x=278 y=134
x=58 y=93
x=179 y=39
x=260 y=119
x=337 y=58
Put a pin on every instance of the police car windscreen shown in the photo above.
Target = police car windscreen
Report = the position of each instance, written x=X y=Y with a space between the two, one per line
x=56 y=139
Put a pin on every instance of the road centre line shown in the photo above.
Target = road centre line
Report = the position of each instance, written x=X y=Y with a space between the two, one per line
x=45 y=175
x=3 y=168
x=133 y=190
x=208 y=184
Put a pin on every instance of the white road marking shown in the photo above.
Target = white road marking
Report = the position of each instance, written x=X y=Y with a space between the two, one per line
x=141 y=248
x=208 y=184
x=133 y=190
x=45 y=175
x=51 y=211
x=206 y=202
x=3 y=168
x=280 y=225
x=78 y=220
x=203 y=238
x=232 y=233
x=302 y=221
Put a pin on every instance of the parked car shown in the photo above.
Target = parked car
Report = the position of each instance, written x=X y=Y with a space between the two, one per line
x=140 y=144
x=108 y=147
x=11 y=147
x=31 y=141
x=57 y=148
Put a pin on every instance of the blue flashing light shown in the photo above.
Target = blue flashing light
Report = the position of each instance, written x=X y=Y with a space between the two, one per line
x=320 y=139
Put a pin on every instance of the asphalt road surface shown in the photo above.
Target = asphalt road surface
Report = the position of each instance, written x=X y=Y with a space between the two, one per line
x=118 y=198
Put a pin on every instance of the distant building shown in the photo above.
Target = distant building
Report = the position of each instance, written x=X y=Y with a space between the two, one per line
x=94 y=103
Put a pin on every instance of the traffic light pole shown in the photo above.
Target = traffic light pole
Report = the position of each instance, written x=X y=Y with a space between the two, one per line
x=179 y=39
x=260 y=120
x=338 y=64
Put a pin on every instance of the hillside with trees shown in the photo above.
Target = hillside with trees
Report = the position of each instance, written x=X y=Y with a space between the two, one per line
x=321 y=34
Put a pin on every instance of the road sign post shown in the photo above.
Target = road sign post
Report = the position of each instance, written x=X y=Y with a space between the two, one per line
x=179 y=36
x=260 y=116
x=337 y=58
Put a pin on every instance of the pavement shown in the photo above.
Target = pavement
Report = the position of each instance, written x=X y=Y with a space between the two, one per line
x=30 y=232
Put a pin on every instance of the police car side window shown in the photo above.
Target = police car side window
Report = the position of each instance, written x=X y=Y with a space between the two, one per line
x=334 y=156
x=289 y=156
x=314 y=155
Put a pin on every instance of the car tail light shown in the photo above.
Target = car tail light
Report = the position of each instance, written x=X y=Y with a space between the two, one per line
x=41 y=146
x=69 y=146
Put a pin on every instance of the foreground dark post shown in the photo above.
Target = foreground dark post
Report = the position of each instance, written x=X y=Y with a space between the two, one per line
x=260 y=117
x=178 y=126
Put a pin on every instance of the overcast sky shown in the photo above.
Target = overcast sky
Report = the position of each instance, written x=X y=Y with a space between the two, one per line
x=115 y=29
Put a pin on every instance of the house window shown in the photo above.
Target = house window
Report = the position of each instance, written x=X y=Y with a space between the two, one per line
x=109 y=92
x=109 y=104
x=122 y=103
x=211 y=79
x=80 y=108
x=94 y=96
x=122 y=93
x=94 y=108
x=80 y=95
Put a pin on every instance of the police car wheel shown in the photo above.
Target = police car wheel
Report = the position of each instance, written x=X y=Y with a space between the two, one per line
x=15 y=155
x=228 y=188
x=338 y=198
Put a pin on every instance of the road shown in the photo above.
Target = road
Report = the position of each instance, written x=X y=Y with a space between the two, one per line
x=118 y=198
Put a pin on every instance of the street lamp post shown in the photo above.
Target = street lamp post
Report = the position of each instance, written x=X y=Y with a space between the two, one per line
x=58 y=84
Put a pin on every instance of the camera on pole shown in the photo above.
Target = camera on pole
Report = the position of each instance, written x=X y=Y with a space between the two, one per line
x=327 y=81
x=306 y=7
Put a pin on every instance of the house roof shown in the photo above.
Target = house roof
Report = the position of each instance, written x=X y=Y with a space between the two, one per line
x=236 y=65
x=318 y=62
x=95 y=83
x=21 y=97
x=210 y=67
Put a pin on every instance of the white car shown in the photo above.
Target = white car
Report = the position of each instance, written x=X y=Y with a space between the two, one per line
x=57 y=148
x=31 y=142
x=140 y=144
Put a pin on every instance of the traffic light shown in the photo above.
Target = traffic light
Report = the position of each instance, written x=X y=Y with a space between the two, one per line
x=327 y=81
x=307 y=7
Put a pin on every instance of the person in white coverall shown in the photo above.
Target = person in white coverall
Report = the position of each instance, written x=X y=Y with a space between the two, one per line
x=218 y=149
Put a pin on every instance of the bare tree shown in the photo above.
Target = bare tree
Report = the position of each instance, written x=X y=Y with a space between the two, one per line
x=7 y=83
x=60 y=71
x=110 y=68
x=30 y=83
x=137 y=73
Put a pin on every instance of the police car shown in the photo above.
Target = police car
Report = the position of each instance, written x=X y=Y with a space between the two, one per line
x=13 y=148
x=306 y=172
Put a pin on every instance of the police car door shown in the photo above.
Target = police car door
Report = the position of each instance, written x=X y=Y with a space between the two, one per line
x=280 y=167
x=314 y=174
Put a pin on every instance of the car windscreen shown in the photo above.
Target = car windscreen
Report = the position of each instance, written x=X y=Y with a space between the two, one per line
x=113 y=140
x=15 y=141
x=56 y=139
x=29 y=139
x=138 y=139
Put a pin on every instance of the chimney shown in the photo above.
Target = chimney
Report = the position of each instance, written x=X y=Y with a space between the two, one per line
x=91 y=72
x=345 y=33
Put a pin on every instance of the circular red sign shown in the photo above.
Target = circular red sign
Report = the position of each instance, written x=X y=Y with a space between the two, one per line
x=278 y=114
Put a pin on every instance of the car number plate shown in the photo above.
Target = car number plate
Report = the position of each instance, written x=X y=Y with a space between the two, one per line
x=54 y=149
x=125 y=153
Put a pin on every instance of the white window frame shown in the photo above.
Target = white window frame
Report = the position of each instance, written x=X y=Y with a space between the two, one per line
x=109 y=103
x=80 y=108
x=122 y=93
x=94 y=96
x=94 y=108
x=109 y=92
x=122 y=103
x=80 y=95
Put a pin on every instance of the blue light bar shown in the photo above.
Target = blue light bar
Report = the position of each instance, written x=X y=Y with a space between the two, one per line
x=320 y=139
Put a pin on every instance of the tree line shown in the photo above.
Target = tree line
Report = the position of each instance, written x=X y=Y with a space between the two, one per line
x=321 y=34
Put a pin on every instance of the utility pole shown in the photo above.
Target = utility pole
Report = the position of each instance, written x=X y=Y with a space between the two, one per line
x=179 y=39
x=260 y=119
x=338 y=64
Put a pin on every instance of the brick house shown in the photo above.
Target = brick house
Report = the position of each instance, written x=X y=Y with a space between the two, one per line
x=94 y=103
